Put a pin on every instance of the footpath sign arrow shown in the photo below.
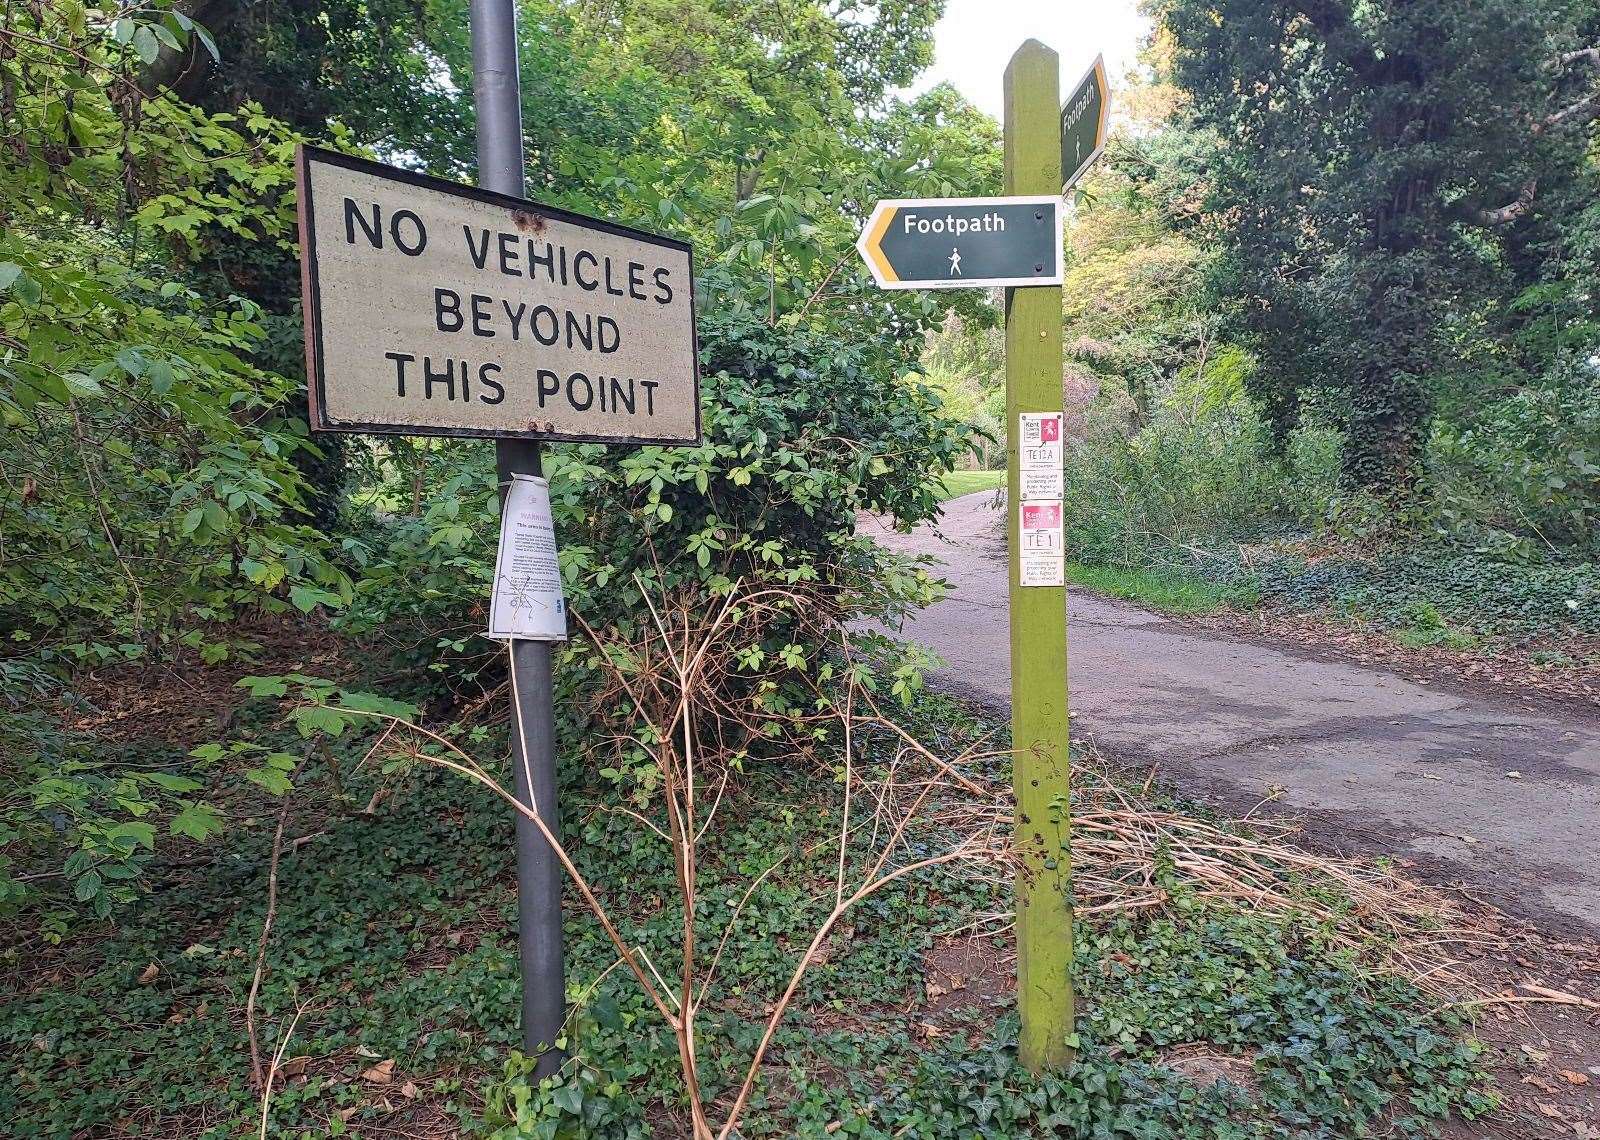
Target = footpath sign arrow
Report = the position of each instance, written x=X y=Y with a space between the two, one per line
x=1083 y=124
x=963 y=243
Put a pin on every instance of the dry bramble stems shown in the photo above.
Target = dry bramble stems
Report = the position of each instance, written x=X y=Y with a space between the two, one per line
x=697 y=705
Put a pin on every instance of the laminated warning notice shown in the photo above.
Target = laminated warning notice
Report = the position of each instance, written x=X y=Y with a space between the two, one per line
x=527 y=602
x=1039 y=455
x=1040 y=547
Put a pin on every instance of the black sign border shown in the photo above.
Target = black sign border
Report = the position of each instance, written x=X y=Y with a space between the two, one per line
x=311 y=300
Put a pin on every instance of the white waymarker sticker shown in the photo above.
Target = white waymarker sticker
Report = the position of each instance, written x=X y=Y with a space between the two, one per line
x=1039 y=452
x=1040 y=546
x=527 y=602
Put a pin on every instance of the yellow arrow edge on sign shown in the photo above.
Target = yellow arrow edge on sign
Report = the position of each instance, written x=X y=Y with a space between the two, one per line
x=1105 y=103
x=871 y=244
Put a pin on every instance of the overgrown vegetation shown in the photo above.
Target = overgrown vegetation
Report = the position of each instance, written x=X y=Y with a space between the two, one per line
x=160 y=489
x=393 y=954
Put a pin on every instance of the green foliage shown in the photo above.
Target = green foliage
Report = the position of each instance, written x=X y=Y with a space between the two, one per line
x=964 y=361
x=589 y=1102
x=1190 y=484
x=1363 y=145
x=763 y=135
x=1522 y=478
x=1132 y=305
x=161 y=480
x=1326 y=1049
x=1216 y=436
x=152 y=485
x=151 y=489
x=99 y=820
x=1172 y=588
x=180 y=508
x=1470 y=592
x=359 y=908
x=802 y=431
x=394 y=937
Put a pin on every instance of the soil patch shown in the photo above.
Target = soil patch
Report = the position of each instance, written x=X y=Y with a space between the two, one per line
x=1206 y=1065
x=181 y=700
x=968 y=978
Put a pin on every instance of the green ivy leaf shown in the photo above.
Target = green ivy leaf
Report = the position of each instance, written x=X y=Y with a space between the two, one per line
x=269 y=778
x=307 y=598
x=376 y=703
x=264 y=686
x=319 y=718
x=137 y=833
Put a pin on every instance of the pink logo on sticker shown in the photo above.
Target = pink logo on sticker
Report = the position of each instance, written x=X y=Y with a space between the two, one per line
x=1041 y=516
x=1050 y=430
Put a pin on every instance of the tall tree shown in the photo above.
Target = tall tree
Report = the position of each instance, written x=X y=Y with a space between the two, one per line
x=1376 y=155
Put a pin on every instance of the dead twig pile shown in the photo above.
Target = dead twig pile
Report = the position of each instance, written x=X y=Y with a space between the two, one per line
x=1130 y=855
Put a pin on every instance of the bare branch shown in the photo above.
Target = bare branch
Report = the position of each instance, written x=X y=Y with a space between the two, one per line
x=1511 y=211
x=272 y=1071
x=1576 y=114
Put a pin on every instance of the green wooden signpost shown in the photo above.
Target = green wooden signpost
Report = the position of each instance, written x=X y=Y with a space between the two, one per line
x=1039 y=773
x=1015 y=241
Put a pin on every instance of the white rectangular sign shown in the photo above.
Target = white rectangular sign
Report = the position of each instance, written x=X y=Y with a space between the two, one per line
x=1039 y=454
x=1040 y=548
x=527 y=601
x=433 y=308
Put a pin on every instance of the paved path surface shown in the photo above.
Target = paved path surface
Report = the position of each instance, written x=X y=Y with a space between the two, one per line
x=1377 y=762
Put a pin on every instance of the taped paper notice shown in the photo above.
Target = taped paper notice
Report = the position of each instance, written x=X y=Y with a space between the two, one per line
x=1039 y=455
x=1040 y=549
x=527 y=602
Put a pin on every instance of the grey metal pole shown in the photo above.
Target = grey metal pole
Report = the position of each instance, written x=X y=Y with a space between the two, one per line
x=496 y=93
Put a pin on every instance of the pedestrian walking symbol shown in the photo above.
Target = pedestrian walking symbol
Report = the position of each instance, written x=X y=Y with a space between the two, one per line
x=955 y=261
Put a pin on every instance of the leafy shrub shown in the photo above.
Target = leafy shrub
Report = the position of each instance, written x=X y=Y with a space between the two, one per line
x=1188 y=479
x=150 y=487
x=182 y=506
x=1522 y=479
x=801 y=432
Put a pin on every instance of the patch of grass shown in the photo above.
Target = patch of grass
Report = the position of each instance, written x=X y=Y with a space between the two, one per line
x=959 y=483
x=1170 y=589
x=1425 y=626
x=1414 y=638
